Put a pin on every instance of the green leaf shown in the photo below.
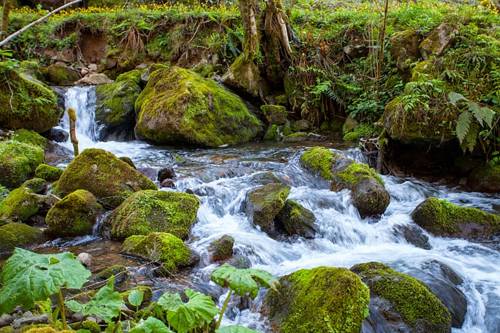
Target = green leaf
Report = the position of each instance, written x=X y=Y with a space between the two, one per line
x=243 y=281
x=235 y=329
x=454 y=97
x=151 y=325
x=463 y=125
x=482 y=114
x=28 y=277
x=106 y=304
x=199 y=311
x=136 y=297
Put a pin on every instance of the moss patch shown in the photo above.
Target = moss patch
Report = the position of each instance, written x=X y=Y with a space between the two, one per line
x=354 y=173
x=48 y=172
x=18 y=162
x=17 y=235
x=29 y=137
x=160 y=211
x=19 y=205
x=319 y=160
x=417 y=305
x=323 y=299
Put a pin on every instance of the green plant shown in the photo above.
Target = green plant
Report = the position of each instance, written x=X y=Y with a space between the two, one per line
x=151 y=325
x=135 y=298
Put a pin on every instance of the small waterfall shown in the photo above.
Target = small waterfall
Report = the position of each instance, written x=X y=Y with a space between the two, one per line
x=83 y=100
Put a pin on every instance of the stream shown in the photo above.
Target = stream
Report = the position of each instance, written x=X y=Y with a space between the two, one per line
x=222 y=177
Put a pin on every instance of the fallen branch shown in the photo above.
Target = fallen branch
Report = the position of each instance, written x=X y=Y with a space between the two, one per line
x=41 y=19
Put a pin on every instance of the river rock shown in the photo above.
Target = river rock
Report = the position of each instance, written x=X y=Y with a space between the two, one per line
x=295 y=219
x=168 y=183
x=20 y=205
x=18 y=161
x=444 y=218
x=263 y=205
x=222 y=248
x=155 y=211
x=179 y=106
x=14 y=235
x=323 y=299
x=406 y=301
x=115 y=113
x=33 y=106
x=108 y=178
x=413 y=235
x=48 y=172
x=57 y=135
x=370 y=197
x=166 y=173
x=74 y=215
x=485 y=179
x=60 y=74
x=161 y=247
x=275 y=114
x=94 y=79
x=438 y=40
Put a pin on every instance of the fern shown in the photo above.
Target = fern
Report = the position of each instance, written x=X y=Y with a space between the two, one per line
x=463 y=125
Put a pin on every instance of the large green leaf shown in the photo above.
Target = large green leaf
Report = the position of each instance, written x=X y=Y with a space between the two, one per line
x=136 y=297
x=199 y=311
x=456 y=97
x=151 y=325
x=28 y=277
x=106 y=304
x=463 y=125
x=243 y=281
x=483 y=115
x=235 y=329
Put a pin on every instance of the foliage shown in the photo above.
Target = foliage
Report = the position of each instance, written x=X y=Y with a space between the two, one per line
x=136 y=297
x=151 y=325
x=28 y=277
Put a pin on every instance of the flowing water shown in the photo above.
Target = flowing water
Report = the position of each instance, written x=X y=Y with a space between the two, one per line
x=222 y=177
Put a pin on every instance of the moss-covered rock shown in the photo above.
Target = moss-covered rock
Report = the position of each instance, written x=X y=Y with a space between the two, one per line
x=295 y=219
x=48 y=172
x=29 y=137
x=74 y=215
x=370 y=197
x=244 y=75
x=37 y=185
x=404 y=48
x=418 y=307
x=443 y=218
x=264 y=203
x=19 y=205
x=319 y=160
x=438 y=40
x=110 y=179
x=485 y=178
x=14 y=235
x=18 y=162
x=115 y=104
x=155 y=211
x=159 y=247
x=275 y=114
x=61 y=75
x=179 y=106
x=323 y=299
x=26 y=102
x=222 y=248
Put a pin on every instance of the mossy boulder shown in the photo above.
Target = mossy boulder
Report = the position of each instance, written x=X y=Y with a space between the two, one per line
x=222 y=248
x=74 y=215
x=485 y=178
x=244 y=75
x=14 y=235
x=275 y=114
x=444 y=218
x=29 y=137
x=18 y=162
x=438 y=40
x=108 y=178
x=179 y=106
x=319 y=160
x=161 y=247
x=264 y=203
x=155 y=211
x=408 y=298
x=404 y=48
x=295 y=219
x=323 y=299
x=21 y=204
x=115 y=113
x=25 y=102
x=61 y=75
x=37 y=185
x=48 y=172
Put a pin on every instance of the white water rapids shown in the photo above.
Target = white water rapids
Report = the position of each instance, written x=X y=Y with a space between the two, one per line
x=222 y=177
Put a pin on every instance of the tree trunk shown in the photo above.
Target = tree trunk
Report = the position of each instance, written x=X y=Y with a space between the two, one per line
x=249 y=10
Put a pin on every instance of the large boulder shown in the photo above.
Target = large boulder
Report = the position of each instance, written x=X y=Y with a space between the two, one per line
x=323 y=299
x=179 y=106
x=438 y=40
x=115 y=113
x=161 y=247
x=61 y=75
x=294 y=219
x=155 y=211
x=401 y=303
x=48 y=172
x=107 y=177
x=404 y=48
x=25 y=102
x=485 y=178
x=443 y=218
x=20 y=205
x=74 y=215
x=264 y=203
x=14 y=235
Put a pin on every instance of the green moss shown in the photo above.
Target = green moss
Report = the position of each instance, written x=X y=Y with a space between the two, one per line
x=161 y=247
x=48 y=172
x=25 y=102
x=222 y=248
x=18 y=162
x=272 y=133
x=275 y=114
x=178 y=106
x=7 y=329
x=61 y=75
x=37 y=185
x=17 y=235
x=443 y=218
x=91 y=326
x=319 y=160
x=355 y=173
x=416 y=304
x=29 y=137
x=160 y=211
x=110 y=179
x=19 y=205
x=74 y=215
x=360 y=131
x=323 y=299
x=111 y=271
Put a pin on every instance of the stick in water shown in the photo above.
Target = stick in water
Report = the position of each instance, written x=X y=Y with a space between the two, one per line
x=72 y=129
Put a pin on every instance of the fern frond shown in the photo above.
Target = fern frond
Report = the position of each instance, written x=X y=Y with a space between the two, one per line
x=463 y=125
x=482 y=114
